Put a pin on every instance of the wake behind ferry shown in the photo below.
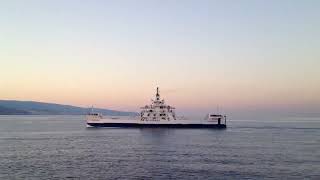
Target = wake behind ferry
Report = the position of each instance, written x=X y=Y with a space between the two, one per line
x=156 y=115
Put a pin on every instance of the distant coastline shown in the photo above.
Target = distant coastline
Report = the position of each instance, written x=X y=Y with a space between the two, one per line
x=14 y=107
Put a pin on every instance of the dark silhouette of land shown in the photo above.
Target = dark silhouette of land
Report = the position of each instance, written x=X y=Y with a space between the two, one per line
x=12 y=107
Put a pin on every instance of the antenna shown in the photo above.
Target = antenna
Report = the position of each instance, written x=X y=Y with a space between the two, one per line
x=157 y=95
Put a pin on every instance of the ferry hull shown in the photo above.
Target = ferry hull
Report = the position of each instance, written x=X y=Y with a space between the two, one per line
x=138 y=125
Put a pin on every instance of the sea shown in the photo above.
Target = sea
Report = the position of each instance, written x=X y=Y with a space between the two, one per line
x=61 y=147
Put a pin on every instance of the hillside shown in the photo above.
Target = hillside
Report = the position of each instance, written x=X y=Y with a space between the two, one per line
x=12 y=107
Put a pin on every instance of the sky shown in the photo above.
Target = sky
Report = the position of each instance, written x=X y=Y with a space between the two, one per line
x=247 y=57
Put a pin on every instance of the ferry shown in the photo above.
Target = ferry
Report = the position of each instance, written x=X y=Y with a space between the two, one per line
x=156 y=115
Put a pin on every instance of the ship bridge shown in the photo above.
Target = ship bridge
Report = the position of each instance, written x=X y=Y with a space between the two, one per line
x=158 y=110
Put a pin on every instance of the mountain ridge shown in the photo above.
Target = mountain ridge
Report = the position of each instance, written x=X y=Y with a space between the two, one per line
x=16 y=107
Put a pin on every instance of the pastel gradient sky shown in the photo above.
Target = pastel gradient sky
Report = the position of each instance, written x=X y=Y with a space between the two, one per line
x=246 y=56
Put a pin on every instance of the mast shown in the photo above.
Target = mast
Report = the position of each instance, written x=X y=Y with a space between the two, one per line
x=158 y=95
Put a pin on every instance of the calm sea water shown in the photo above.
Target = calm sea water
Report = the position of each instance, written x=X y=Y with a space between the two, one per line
x=60 y=147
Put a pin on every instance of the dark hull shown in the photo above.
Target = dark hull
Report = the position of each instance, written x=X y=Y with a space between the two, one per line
x=136 y=125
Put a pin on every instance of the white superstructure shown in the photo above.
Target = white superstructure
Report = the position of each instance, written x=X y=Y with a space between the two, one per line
x=158 y=111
